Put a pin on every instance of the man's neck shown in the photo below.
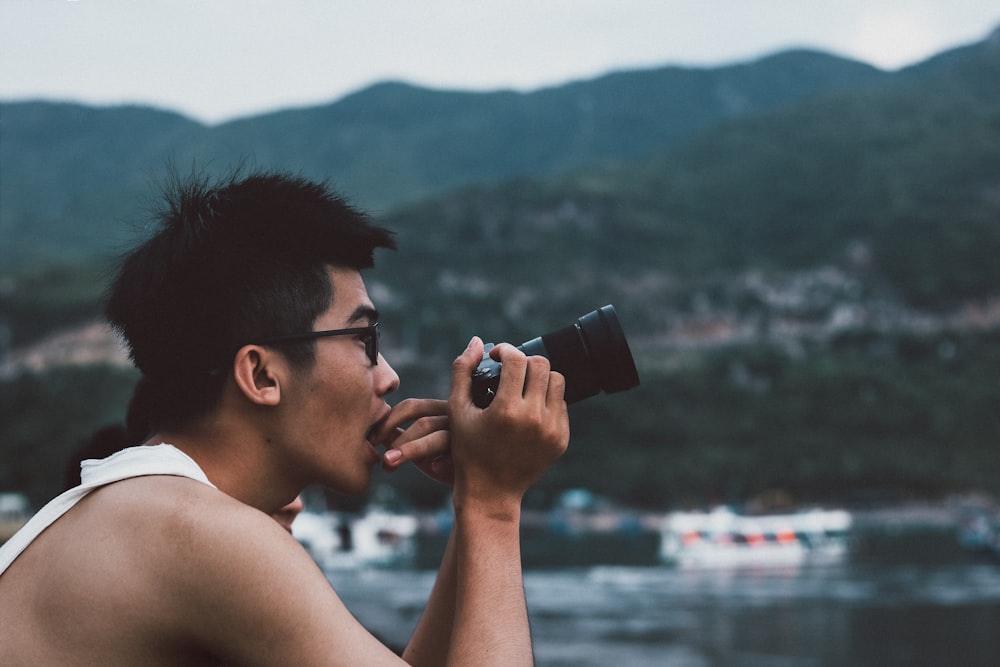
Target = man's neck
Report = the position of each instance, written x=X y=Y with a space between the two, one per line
x=236 y=463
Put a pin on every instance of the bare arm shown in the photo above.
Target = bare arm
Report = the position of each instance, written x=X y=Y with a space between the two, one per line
x=498 y=453
x=417 y=431
x=432 y=637
x=491 y=625
x=476 y=613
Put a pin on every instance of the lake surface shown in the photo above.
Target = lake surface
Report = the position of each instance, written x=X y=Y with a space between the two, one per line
x=909 y=599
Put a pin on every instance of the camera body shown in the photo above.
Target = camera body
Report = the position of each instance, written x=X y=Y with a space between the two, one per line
x=486 y=378
x=592 y=354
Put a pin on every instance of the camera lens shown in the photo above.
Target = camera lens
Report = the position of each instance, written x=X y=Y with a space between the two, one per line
x=592 y=354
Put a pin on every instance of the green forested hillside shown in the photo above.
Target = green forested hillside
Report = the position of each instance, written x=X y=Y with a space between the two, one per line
x=74 y=176
x=395 y=142
x=808 y=278
x=899 y=181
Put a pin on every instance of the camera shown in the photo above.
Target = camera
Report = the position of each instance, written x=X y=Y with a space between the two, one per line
x=592 y=354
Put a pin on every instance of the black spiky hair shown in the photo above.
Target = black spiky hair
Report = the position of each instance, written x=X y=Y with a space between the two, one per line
x=229 y=262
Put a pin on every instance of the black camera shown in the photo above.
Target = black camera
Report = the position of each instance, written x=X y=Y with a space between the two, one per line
x=592 y=354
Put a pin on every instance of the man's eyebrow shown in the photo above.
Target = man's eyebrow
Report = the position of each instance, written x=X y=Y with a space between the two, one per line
x=362 y=313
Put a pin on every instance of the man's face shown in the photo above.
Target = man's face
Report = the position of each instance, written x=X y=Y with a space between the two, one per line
x=332 y=406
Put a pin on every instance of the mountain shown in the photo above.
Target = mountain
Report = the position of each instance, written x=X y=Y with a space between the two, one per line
x=893 y=188
x=811 y=294
x=74 y=177
x=70 y=174
x=807 y=277
x=395 y=142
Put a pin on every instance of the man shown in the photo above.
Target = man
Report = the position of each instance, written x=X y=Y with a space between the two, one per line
x=248 y=316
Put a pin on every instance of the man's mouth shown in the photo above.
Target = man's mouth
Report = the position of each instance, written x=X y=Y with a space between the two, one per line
x=376 y=427
x=370 y=435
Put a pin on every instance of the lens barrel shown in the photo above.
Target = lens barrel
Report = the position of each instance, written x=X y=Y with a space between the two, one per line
x=592 y=354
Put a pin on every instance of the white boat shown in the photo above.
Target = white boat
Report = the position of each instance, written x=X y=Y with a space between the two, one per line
x=337 y=540
x=979 y=531
x=723 y=539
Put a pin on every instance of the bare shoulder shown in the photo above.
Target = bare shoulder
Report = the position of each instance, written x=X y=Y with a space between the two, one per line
x=187 y=519
x=166 y=525
x=168 y=541
x=210 y=553
x=175 y=564
x=251 y=592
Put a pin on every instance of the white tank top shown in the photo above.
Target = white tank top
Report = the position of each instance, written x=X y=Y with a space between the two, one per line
x=132 y=462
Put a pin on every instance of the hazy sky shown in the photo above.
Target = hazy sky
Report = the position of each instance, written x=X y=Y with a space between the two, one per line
x=218 y=59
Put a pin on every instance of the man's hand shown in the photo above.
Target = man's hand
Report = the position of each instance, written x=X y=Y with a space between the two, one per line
x=417 y=430
x=502 y=450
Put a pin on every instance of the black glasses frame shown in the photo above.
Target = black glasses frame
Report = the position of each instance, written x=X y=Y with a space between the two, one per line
x=369 y=336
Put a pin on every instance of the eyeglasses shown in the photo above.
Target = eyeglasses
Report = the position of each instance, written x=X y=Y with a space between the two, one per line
x=369 y=335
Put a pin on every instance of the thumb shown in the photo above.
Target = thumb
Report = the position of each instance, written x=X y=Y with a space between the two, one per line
x=462 y=369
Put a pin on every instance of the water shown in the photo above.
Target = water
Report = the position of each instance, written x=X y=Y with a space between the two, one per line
x=900 y=600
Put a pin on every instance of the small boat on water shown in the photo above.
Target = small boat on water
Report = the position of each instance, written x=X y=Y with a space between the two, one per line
x=979 y=532
x=337 y=540
x=723 y=539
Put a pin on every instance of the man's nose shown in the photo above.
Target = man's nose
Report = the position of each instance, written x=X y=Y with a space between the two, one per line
x=387 y=381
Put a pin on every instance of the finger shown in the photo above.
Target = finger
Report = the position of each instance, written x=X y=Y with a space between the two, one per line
x=536 y=379
x=400 y=449
x=430 y=446
x=515 y=366
x=420 y=429
x=556 y=390
x=462 y=369
x=403 y=413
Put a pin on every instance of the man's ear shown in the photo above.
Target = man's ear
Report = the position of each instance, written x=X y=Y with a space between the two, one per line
x=257 y=372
